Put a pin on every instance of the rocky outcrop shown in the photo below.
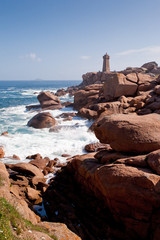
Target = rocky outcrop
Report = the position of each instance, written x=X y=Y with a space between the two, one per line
x=87 y=96
x=91 y=78
x=129 y=70
x=94 y=147
x=13 y=198
x=26 y=168
x=117 y=85
x=17 y=193
x=138 y=86
x=33 y=107
x=153 y=160
x=132 y=194
x=150 y=66
x=67 y=115
x=130 y=133
x=66 y=202
x=59 y=230
x=145 y=82
x=49 y=231
x=49 y=101
x=40 y=162
x=126 y=188
x=69 y=90
x=87 y=113
x=42 y=120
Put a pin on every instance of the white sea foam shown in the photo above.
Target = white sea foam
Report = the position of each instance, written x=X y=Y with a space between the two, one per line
x=37 y=91
x=24 y=141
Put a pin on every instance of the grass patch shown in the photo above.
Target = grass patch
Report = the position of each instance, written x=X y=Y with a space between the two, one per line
x=12 y=224
x=10 y=221
x=39 y=229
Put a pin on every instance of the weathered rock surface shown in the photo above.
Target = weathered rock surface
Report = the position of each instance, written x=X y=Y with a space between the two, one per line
x=36 y=156
x=135 y=161
x=129 y=70
x=94 y=147
x=145 y=82
x=42 y=120
x=67 y=114
x=32 y=193
x=33 y=107
x=150 y=66
x=132 y=194
x=15 y=200
x=59 y=230
x=153 y=159
x=90 y=78
x=26 y=168
x=67 y=104
x=40 y=163
x=87 y=113
x=49 y=101
x=130 y=133
x=70 y=90
x=71 y=205
x=113 y=108
x=107 y=157
x=87 y=96
x=11 y=194
x=131 y=83
x=117 y=85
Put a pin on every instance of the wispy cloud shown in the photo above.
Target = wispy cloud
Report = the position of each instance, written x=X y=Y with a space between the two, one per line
x=85 y=57
x=147 y=50
x=31 y=56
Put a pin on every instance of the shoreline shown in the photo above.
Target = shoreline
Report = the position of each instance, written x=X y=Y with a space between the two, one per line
x=113 y=190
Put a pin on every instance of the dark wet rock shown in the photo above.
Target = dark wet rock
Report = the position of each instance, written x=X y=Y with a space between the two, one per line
x=65 y=155
x=42 y=120
x=66 y=115
x=34 y=156
x=33 y=107
x=67 y=104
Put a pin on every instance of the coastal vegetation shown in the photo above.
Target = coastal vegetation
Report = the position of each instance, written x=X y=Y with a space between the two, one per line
x=12 y=225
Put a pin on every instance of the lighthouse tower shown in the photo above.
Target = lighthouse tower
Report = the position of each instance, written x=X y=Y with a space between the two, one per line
x=106 y=66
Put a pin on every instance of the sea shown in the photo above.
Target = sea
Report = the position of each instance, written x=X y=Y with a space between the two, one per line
x=23 y=140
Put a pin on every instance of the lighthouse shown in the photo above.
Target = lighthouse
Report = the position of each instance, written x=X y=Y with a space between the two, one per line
x=106 y=66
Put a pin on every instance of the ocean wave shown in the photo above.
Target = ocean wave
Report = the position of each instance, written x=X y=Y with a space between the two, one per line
x=23 y=140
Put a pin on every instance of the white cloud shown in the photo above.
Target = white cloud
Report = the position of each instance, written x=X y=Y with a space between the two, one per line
x=85 y=57
x=147 y=50
x=31 y=56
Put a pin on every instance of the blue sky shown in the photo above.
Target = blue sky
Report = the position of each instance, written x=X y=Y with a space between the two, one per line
x=62 y=39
